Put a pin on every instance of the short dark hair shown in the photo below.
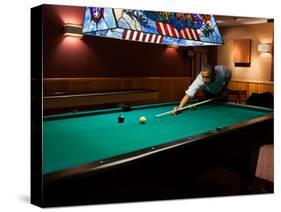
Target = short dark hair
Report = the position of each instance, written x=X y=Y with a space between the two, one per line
x=207 y=68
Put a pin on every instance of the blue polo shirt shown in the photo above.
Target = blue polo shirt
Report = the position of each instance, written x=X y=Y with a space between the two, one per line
x=221 y=78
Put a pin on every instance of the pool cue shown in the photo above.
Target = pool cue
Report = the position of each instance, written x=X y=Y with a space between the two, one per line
x=188 y=106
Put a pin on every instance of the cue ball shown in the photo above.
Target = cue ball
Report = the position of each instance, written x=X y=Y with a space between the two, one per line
x=142 y=120
x=121 y=119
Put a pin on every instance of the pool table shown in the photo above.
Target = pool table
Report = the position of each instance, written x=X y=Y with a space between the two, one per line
x=89 y=157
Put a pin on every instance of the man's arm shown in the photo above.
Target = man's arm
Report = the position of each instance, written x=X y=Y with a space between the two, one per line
x=197 y=83
x=228 y=74
x=183 y=101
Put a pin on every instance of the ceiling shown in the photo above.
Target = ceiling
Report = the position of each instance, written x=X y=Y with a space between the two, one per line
x=225 y=21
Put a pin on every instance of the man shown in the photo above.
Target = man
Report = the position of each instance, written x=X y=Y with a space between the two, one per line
x=212 y=80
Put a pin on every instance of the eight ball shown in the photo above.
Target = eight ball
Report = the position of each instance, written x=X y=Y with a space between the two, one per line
x=121 y=119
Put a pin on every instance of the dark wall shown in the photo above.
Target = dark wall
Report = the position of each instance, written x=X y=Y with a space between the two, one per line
x=102 y=57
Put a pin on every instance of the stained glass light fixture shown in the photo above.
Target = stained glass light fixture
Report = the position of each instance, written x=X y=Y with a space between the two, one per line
x=178 y=29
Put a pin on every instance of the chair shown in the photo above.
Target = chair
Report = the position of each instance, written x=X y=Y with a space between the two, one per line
x=242 y=96
x=261 y=99
x=233 y=96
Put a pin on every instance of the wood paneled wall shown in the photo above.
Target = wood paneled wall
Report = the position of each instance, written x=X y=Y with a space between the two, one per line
x=252 y=86
x=169 y=88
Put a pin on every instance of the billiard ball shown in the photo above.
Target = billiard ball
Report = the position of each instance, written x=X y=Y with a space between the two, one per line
x=121 y=119
x=142 y=120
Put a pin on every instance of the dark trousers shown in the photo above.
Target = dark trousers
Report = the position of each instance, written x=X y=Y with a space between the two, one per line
x=221 y=96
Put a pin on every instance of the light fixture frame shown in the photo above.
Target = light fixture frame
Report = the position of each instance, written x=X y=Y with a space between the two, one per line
x=264 y=48
x=73 y=30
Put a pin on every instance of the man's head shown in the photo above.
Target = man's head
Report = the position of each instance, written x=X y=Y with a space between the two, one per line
x=207 y=73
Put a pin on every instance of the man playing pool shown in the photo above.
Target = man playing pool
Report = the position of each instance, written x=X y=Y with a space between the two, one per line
x=212 y=80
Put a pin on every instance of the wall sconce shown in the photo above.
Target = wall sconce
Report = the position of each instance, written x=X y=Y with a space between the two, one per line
x=264 y=48
x=73 y=30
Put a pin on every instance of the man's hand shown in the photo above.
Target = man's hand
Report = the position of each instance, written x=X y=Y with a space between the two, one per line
x=175 y=111
x=184 y=100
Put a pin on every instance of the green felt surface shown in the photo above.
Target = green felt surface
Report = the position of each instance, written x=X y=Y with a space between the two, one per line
x=70 y=142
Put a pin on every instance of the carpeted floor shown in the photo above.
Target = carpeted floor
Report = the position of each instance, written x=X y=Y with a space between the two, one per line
x=222 y=182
